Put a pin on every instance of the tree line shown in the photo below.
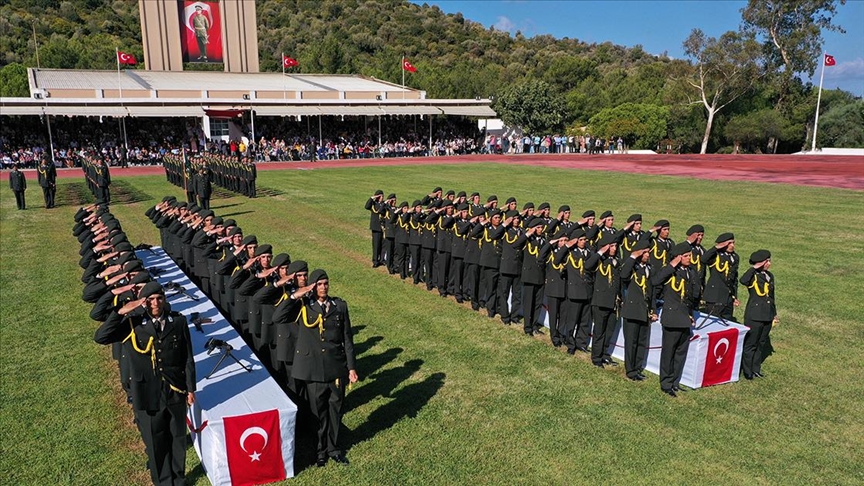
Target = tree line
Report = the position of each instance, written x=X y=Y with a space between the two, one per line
x=741 y=91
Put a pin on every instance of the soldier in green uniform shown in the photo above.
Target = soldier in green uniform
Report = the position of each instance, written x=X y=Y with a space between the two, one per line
x=761 y=312
x=18 y=184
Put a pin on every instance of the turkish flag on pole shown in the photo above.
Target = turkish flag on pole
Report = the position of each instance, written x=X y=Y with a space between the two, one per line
x=720 y=359
x=253 y=446
x=124 y=58
x=407 y=66
x=829 y=60
x=289 y=62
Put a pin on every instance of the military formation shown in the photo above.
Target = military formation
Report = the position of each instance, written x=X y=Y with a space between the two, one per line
x=286 y=314
x=195 y=175
x=150 y=342
x=98 y=178
x=587 y=273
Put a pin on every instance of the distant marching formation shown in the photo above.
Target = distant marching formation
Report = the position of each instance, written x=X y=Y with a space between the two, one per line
x=196 y=176
x=588 y=273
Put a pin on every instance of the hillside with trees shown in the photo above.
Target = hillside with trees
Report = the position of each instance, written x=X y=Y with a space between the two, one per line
x=598 y=87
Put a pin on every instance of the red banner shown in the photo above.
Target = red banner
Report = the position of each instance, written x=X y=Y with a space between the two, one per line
x=720 y=358
x=200 y=31
x=253 y=446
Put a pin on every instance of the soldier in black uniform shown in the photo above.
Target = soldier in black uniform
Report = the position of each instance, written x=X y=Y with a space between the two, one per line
x=296 y=277
x=252 y=277
x=459 y=247
x=659 y=257
x=244 y=258
x=638 y=309
x=694 y=237
x=415 y=239
x=606 y=298
x=489 y=233
x=556 y=286
x=632 y=234
x=275 y=279
x=721 y=290
x=324 y=359
x=204 y=186
x=535 y=253
x=102 y=180
x=375 y=206
x=580 y=263
x=18 y=184
x=389 y=234
x=401 y=219
x=163 y=368
x=761 y=312
x=679 y=283
x=443 y=221
x=47 y=180
x=510 y=271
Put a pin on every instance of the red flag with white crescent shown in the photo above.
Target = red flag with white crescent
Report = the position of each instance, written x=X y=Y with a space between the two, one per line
x=829 y=60
x=720 y=359
x=407 y=66
x=289 y=62
x=253 y=446
x=124 y=58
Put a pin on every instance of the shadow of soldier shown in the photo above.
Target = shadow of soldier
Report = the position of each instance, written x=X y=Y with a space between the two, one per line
x=381 y=384
x=406 y=403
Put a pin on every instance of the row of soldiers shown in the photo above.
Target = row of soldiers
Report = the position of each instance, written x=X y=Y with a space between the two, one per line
x=223 y=170
x=150 y=342
x=281 y=309
x=588 y=272
x=98 y=178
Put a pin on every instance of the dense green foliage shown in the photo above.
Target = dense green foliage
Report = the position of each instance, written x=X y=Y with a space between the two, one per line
x=455 y=57
x=640 y=125
x=448 y=396
x=532 y=105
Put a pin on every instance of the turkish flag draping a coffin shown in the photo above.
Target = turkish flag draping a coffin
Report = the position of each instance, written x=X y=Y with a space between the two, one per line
x=720 y=359
x=253 y=445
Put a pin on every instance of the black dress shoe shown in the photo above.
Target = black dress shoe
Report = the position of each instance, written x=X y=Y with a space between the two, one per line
x=571 y=351
x=748 y=377
x=671 y=393
x=538 y=330
x=758 y=374
x=321 y=462
x=599 y=365
x=340 y=458
x=635 y=378
x=610 y=362
x=582 y=349
x=678 y=389
x=475 y=307
x=459 y=300
x=642 y=376
x=506 y=321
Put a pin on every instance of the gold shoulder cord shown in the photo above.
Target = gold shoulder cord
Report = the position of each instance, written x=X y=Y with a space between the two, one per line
x=533 y=250
x=698 y=262
x=659 y=257
x=318 y=322
x=551 y=260
x=509 y=240
x=755 y=287
x=607 y=273
x=680 y=288
x=643 y=284
x=579 y=266
x=724 y=269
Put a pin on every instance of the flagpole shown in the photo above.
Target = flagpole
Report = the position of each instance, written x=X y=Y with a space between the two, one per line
x=403 y=76
x=120 y=90
x=818 y=102
x=284 y=94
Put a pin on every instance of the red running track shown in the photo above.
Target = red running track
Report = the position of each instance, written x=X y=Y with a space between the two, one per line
x=835 y=171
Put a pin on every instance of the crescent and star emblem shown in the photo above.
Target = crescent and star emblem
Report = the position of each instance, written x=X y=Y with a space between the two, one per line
x=256 y=456
x=719 y=356
x=124 y=57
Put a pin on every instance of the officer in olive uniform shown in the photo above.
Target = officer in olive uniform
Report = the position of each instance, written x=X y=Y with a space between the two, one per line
x=375 y=206
x=324 y=359
x=18 y=184
x=760 y=314
x=163 y=368
x=680 y=288
x=47 y=180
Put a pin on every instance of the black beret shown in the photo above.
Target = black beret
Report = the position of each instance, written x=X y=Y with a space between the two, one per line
x=235 y=231
x=475 y=194
x=112 y=224
x=206 y=213
x=606 y=239
x=724 y=237
x=298 y=266
x=528 y=205
x=634 y=217
x=759 y=256
x=461 y=194
x=262 y=249
x=404 y=204
x=250 y=240
x=493 y=212
x=589 y=213
x=662 y=224
x=416 y=203
x=451 y=192
x=696 y=228
x=563 y=208
x=117 y=239
x=511 y=199
x=316 y=275
x=512 y=214
x=576 y=232
x=436 y=204
x=217 y=221
x=543 y=206
x=169 y=198
x=379 y=192
x=142 y=277
x=126 y=256
x=462 y=207
x=536 y=222
x=561 y=233
x=123 y=246
x=445 y=203
x=605 y=214
x=642 y=244
x=229 y=222
x=437 y=189
x=151 y=288
x=392 y=196
x=682 y=248
x=193 y=207
x=491 y=198
x=280 y=260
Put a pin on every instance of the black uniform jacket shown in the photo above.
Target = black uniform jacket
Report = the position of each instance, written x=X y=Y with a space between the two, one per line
x=325 y=344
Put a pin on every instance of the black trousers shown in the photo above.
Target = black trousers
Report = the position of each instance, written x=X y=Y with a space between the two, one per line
x=754 y=343
x=577 y=324
x=415 y=262
x=454 y=285
x=387 y=254
x=442 y=272
x=204 y=202
x=490 y=292
x=723 y=310
x=164 y=435
x=19 y=199
x=604 y=328
x=636 y=334
x=532 y=302
x=471 y=284
x=427 y=265
x=676 y=342
x=401 y=259
x=555 y=309
x=325 y=401
x=507 y=284
x=46 y=194
x=377 y=240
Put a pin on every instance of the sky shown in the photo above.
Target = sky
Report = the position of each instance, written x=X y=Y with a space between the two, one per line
x=659 y=26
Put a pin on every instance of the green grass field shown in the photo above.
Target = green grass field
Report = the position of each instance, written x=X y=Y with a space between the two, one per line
x=447 y=395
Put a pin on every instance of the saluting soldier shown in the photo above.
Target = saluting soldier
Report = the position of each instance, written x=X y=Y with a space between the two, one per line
x=428 y=241
x=760 y=314
x=694 y=237
x=638 y=309
x=490 y=232
x=606 y=299
x=459 y=248
x=232 y=249
x=444 y=221
x=509 y=283
x=580 y=263
x=401 y=219
x=376 y=209
x=556 y=287
x=389 y=248
x=256 y=272
x=244 y=258
x=535 y=253
x=659 y=257
x=47 y=175
x=721 y=290
x=632 y=234
x=275 y=278
x=415 y=240
x=284 y=317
